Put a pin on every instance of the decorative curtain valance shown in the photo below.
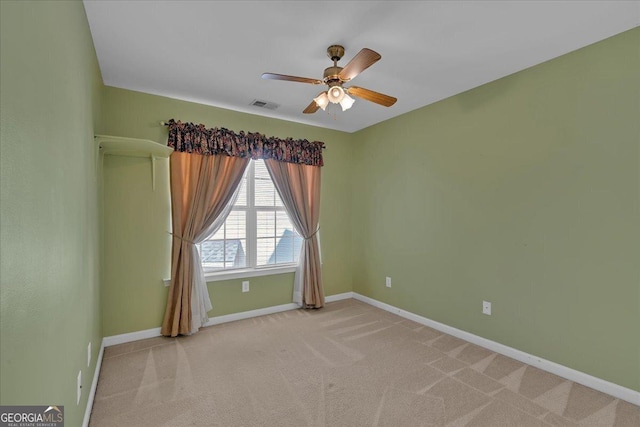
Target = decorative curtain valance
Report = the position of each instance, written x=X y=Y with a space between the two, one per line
x=192 y=138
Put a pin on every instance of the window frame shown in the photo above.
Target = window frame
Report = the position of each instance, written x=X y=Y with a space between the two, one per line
x=251 y=268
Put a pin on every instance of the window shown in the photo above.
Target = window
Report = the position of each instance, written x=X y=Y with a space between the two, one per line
x=257 y=232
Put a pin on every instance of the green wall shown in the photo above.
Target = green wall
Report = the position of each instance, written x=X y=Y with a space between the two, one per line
x=523 y=192
x=49 y=250
x=137 y=251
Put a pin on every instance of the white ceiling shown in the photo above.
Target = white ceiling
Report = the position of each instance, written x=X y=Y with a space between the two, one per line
x=214 y=52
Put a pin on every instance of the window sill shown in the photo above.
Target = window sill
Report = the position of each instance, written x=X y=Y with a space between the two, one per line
x=243 y=273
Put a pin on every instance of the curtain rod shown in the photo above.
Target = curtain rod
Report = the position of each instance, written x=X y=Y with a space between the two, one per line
x=163 y=123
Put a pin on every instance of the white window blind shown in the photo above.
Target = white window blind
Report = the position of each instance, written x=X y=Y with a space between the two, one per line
x=257 y=233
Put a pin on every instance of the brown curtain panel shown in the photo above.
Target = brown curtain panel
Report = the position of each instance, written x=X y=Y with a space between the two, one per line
x=299 y=188
x=201 y=188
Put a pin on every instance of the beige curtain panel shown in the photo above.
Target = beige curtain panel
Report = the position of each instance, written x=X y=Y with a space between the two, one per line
x=202 y=187
x=299 y=188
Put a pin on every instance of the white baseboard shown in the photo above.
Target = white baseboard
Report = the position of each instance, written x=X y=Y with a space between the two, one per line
x=595 y=383
x=251 y=313
x=155 y=332
x=269 y=310
x=338 y=297
x=131 y=336
x=94 y=385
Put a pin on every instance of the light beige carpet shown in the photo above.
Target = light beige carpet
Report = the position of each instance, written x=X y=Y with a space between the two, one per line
x=348 y=364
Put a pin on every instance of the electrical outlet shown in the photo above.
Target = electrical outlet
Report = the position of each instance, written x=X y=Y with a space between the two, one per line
x=79 y=387
x=89 y=355
x=245 y=286
x=388 y=282
x=486 y=308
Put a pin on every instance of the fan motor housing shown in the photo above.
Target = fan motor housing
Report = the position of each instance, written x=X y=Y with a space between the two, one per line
x=331 y=74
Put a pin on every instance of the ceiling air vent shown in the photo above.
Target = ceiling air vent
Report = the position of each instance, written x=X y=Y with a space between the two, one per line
x=264 y=104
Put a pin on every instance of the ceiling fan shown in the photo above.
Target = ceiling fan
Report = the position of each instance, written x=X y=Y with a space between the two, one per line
x=335 y=77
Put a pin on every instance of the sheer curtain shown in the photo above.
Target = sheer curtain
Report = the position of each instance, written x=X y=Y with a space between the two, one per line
x=203 y=188
x=299 y=188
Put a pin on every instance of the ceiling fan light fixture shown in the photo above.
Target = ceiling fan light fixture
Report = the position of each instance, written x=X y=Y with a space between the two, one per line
x=322 y=100
x=335 y=77
x=346 y=102
x=335 y=94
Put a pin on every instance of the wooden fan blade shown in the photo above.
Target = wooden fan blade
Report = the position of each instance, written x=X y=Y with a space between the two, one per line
x=272 y=76
x=372 y=96
x=311 y=108
x=363 y=60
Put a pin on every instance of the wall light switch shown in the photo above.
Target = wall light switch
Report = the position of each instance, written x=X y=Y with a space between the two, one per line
x=388 y=282
x=245 y=286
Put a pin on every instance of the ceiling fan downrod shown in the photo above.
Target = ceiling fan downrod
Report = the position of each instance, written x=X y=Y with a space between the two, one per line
x=331 y=78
